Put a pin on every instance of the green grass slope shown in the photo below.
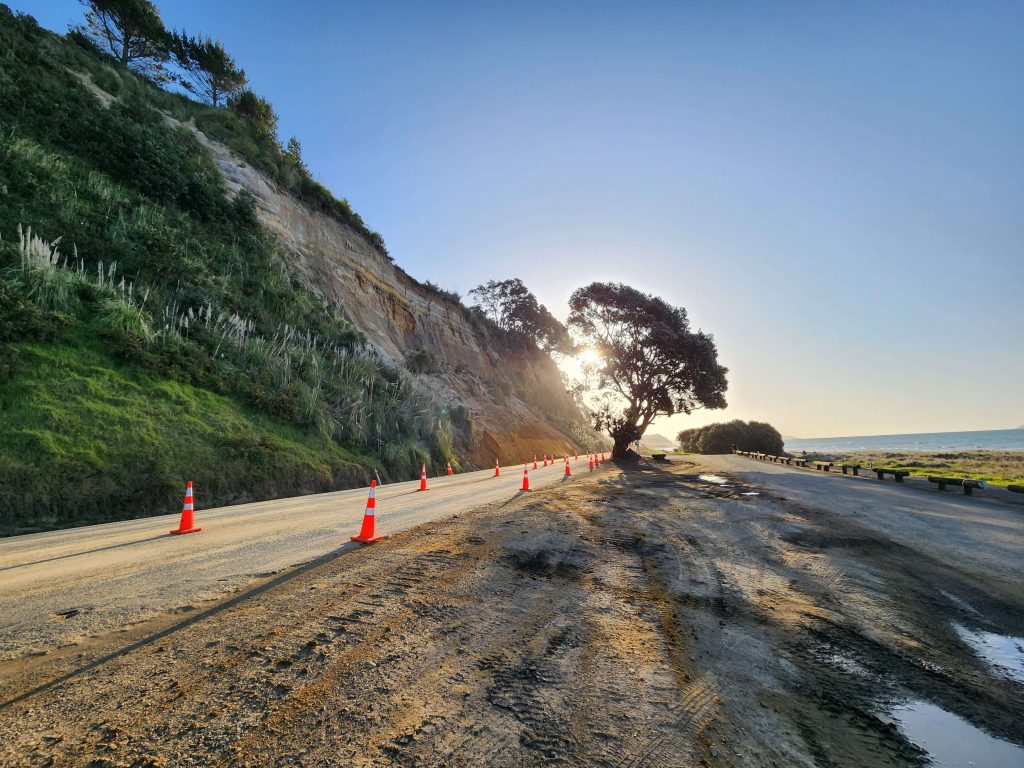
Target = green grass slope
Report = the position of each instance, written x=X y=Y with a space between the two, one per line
x=90 y=439
x=150 y=330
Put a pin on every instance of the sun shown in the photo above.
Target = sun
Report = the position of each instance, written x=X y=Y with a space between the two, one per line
x=588 y=356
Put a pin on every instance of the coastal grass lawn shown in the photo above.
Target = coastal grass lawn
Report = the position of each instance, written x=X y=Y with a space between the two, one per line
x=88 y=439
x=994 y=467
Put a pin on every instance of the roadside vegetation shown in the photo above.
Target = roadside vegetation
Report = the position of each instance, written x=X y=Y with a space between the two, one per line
x=1000 y=468
x=722 y=437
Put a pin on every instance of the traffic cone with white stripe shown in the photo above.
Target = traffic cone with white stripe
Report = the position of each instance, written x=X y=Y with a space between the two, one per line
x=423 y=479
x=567 y=470
x=535 y=461
x=367 y=533
x=450 y=472
x=526 y=477
x=497 y=468
x=545 y=459
x=186 y=525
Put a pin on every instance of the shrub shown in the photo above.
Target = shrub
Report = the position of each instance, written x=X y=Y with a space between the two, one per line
x=723 y=437
x=121 y=316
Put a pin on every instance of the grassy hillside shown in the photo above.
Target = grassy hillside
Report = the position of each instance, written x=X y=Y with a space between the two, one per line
x=150 y=332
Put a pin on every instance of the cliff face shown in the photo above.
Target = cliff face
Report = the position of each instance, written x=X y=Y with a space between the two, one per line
x=399 y=315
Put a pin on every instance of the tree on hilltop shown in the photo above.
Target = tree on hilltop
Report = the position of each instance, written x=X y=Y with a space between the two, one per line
x=511 y=306
x=208 y=71
x=293 y=154
x=651 y=363
x=257 y=111
x=131 y=31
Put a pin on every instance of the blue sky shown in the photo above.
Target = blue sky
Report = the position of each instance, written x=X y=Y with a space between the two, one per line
x=835 y=191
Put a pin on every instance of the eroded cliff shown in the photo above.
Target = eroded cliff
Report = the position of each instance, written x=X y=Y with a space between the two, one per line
x=515 y=413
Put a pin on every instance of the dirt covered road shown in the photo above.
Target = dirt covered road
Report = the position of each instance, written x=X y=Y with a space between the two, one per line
x=65 y=587
x=646 y=617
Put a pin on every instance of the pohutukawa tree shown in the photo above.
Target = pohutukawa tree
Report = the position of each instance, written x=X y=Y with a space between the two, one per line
x=651 y=363
x=131 y=31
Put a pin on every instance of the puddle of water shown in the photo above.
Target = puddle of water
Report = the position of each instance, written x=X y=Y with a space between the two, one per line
x=716 y=479
x=1005 y=654
x=952 y=741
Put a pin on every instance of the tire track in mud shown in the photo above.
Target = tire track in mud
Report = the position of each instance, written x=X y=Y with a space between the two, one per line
x=695 y=707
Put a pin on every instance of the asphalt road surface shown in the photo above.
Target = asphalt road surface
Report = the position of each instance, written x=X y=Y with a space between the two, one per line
x=977 y=534
x=60 y=587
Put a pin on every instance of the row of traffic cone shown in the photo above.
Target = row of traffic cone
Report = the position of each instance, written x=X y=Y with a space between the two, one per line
x=366 y=534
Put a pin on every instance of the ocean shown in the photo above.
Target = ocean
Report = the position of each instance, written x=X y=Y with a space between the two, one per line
x=988 y=440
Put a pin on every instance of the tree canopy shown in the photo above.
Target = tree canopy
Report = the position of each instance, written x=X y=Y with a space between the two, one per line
x=652 y=364
x=258 y=111
x=131 y=31
x=208 y=71
x=722 y=437
x=511 y=306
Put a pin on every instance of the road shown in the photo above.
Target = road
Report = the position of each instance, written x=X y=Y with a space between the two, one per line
x=711 y=611
x=60 y=587
x=980 y=535
x=63 y=586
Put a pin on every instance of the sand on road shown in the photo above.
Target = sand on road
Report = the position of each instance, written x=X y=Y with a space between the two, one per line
x=63 y=587
x=649 y=616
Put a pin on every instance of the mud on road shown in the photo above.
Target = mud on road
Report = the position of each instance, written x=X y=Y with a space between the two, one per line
x=628 y=618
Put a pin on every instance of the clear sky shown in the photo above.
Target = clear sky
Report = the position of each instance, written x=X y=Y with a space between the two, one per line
x=835 y=191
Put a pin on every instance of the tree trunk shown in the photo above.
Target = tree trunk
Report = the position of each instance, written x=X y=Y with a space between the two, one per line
x=619 y=447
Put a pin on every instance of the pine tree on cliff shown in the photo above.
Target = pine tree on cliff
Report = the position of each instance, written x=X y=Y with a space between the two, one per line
x=208 y=71
x=131 y=31
x=651 y=363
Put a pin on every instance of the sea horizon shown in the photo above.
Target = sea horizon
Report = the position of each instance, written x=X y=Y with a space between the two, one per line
x=982 y=439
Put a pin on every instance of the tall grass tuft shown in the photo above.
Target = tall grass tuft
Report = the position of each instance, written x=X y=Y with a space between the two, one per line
x=41 y=276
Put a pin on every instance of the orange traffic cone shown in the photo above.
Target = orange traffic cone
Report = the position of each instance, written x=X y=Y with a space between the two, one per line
x=450 y=468
x=423 y=479
x=526 y=478
x=602 y=456
x=545 y=459
x=366 y=533
x=576 y=456
x=497 y=468
x=590 y=463
x=567 y=470
x=186 y=525
x=535 y=461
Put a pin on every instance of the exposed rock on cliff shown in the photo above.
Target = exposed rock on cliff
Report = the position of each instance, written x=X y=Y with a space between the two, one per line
x=517 y=410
